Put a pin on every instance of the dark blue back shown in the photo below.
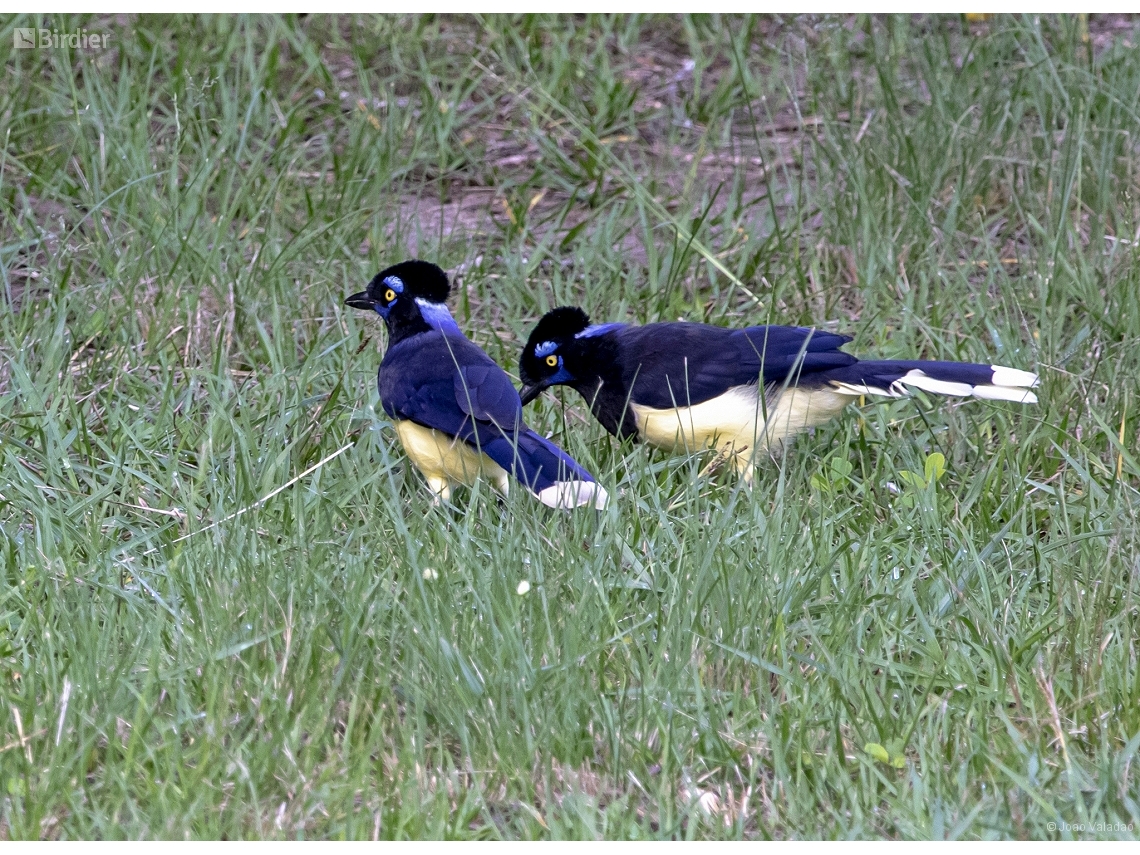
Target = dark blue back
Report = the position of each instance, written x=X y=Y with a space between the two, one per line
x=679 y=364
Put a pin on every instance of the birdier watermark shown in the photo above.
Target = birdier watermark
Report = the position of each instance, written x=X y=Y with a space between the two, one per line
x=1090 y=827
x=38 y=38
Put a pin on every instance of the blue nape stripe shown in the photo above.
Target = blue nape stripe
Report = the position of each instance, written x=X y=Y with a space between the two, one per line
x=437 y=316
x=598 y=329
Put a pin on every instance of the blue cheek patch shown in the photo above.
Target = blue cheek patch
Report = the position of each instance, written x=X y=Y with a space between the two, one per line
x=545 y=348
x=562 y=376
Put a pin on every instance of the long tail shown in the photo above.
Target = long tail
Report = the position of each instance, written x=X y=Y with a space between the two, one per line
x=993 y=382
x=552 y=475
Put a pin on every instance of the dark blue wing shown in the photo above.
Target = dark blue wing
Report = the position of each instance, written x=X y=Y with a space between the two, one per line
x=483 y=390
x=680 y=364
x=446 y=382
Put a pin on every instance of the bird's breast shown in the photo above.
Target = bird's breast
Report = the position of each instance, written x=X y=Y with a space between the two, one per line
x=438 y=455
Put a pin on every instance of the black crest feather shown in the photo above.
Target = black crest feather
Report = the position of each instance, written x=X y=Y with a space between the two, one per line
x=421 y=279
x=559 y=324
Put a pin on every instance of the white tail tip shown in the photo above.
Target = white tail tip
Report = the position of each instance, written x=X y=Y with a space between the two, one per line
x=1014 y=377
x=920 y=380
x=574 y=494
x=1005 y=393
x=1006 y=384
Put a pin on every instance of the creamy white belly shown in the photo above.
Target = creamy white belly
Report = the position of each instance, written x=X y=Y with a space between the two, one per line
x=739 y=422
x=445 y=461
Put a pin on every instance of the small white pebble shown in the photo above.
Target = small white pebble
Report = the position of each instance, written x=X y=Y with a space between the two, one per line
x=430 y=574
x=709 y=802
x=523 y=587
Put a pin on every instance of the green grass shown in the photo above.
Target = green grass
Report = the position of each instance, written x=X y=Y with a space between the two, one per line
x=228 y=608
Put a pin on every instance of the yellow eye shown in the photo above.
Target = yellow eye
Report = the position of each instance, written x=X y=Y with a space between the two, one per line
x=552 y=360
x=389 y=296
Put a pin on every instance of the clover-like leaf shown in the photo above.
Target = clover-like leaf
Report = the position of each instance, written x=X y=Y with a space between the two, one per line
x=935 y=466
x=877 y=752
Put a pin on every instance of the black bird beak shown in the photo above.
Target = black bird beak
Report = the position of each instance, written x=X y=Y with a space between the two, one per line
x=529 y=393
x=360 y=301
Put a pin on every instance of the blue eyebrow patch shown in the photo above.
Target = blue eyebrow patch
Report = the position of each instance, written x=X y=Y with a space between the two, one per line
x=395 y=283
x=545 y=348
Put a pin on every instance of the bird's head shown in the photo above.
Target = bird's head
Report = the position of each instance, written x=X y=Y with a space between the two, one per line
x=543 y=360
x=410 y=292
